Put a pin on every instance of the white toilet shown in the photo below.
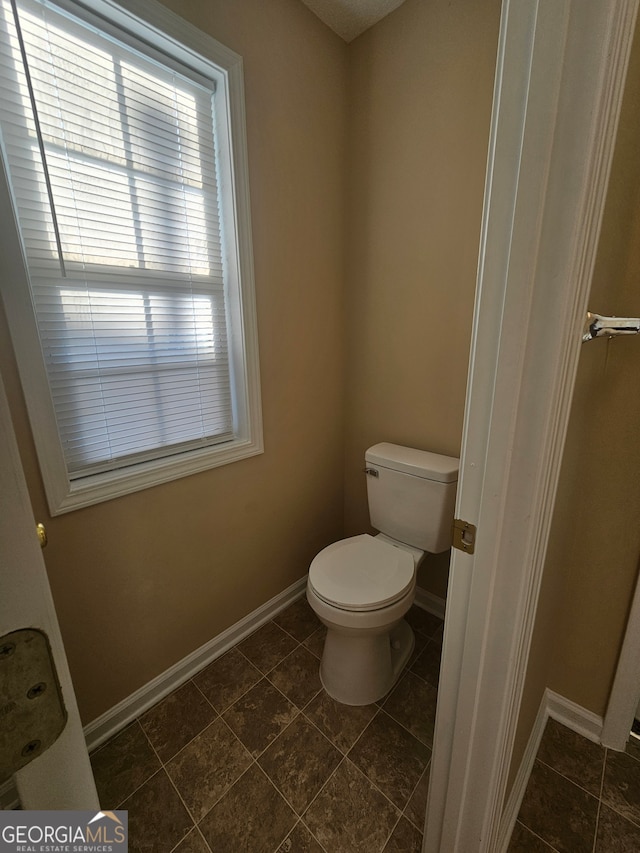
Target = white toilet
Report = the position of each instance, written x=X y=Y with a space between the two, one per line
x=361 y=587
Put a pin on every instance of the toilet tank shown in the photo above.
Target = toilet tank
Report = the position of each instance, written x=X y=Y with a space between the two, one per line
x=412 y=495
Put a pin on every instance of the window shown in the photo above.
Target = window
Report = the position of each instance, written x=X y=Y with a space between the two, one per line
x=132 y=311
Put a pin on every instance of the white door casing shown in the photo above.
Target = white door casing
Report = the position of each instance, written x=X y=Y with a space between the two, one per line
x=624 y=701
x=559 y=83
x=61 y=777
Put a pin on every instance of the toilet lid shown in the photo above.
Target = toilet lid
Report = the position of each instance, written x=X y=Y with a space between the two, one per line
x=362 y=573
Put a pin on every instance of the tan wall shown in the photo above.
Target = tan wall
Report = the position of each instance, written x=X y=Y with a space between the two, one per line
x=141 y=581
x=592 y=560
x=421 y=91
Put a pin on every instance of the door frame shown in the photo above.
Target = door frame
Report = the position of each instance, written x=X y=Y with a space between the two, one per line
x=558 y=91
x=625 y=693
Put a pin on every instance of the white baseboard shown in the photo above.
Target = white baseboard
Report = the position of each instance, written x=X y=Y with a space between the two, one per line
x=431 y=603
x=553 y=705
x=569 y=714
x=512 y=807
x=574 y=717
x=116 y=718
x=8 y=795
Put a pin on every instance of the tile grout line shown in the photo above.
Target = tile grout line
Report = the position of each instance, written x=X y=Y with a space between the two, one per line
x=318 y=729
x=539 y=837
x=271 y=742
x=379 y=710
x=378 y=789
x=633 y=738
x=282 y=693
x=388 y=799
x=233 y=648
x=155 y=772
x=320 y=790
x=188 y=743
x=220 y=714
x=344 y=755
x=321 y=846
x=224 y=793
x=602 y=774
x=299 y=710
x=284 y=797
x=611 y=805
x=299 y=642
x=361 y=735
x=196 y=824
x=248 y=690
x=297 y=824
x=135 y=791
x=274 y=685
x=568 y=779
x=400 y=810
x=280 y=794
x=204 y=840
x=429 y=746
x=187 y=809
x=625 y=817
x=328 y=779
x=206 y=698
x=427 y=769
x=171 y=782
x=599 y=797
x=393 y=829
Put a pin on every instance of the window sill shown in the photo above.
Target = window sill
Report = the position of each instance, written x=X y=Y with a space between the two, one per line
x=114 y=484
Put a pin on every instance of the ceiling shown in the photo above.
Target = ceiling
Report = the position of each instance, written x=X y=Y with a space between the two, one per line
x=349 y=18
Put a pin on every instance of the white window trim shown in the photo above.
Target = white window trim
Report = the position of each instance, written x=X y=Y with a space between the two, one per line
x=163 y=29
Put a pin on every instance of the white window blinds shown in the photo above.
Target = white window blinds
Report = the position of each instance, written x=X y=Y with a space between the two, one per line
x=112 y=162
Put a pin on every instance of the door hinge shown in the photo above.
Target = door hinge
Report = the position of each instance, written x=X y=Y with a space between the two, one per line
x=464 y=536
x=32 y=711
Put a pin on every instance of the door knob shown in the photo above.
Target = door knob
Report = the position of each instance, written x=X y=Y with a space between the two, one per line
x=42 y=535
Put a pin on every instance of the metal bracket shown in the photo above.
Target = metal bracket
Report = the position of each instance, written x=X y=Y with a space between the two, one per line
x=32 y=713
x=597 y=326
x=464 y=536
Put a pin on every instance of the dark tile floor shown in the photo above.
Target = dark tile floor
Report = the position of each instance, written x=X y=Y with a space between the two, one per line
x=252 y=756
x=581 y=798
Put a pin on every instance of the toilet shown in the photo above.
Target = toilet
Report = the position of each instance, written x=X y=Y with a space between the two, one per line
x=361 y=587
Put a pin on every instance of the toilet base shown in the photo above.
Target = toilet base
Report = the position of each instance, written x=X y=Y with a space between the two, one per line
x=359 y=670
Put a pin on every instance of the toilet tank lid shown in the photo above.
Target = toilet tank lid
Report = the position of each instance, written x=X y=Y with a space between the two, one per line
x=420 y=463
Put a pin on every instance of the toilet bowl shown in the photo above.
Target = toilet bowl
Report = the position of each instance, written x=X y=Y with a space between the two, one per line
x=360 y=588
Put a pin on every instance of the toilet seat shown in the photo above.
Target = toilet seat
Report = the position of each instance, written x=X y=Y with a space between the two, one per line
x=362 y=573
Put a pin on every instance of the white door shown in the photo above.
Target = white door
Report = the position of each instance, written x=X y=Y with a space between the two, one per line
x=559 y=82
x=624 y=701
x=59 y=778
